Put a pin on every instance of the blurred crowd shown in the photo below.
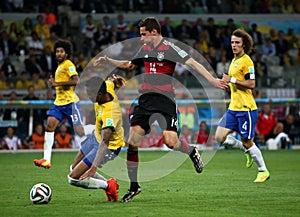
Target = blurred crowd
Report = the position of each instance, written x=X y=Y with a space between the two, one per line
x=27 y=56
x=158 y=6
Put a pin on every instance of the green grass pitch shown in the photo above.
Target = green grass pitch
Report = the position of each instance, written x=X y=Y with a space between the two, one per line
x=225 y=188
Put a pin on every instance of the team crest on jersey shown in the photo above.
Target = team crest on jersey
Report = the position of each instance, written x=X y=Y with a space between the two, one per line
x=182 y=53
x=72 y=69
x=160 y=56
x=236 y=65
x=251 y=69
x=109 y=122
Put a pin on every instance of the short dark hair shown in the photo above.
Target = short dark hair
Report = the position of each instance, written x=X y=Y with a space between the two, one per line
x=150 y=23
x=66 y=45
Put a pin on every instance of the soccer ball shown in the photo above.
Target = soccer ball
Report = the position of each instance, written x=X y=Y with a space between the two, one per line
x=40 y=193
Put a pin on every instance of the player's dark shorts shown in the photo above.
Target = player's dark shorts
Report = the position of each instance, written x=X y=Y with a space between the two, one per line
x=155 y=107
x=242 y=122
x=89 y=148
x=72 y=111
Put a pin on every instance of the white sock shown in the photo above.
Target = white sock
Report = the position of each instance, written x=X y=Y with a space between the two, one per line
x=96 y=175
x=233 y=142
x=49 y=140
x=257 y=157
x=90 y=183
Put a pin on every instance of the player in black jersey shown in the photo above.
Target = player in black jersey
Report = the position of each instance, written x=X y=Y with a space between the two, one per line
x=159 y=56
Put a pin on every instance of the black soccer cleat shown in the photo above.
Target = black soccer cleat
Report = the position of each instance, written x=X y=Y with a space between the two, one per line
x=130 y=194
x=196 y=158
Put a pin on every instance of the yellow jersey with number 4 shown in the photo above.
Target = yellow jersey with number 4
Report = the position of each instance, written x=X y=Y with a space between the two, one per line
x=109 y=114
x=65 y=94
x=242 y=99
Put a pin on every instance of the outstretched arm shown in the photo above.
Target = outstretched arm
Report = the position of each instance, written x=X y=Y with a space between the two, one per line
x=105 y=135
x=120 y=64
x=191 y=62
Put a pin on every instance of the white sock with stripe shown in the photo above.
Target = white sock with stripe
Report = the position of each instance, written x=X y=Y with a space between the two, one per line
x=90 y=183
x=257 y=157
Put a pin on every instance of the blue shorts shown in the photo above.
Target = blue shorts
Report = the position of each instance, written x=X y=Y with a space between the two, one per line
x=89 y=148
x=72 y=111
x=242 y=122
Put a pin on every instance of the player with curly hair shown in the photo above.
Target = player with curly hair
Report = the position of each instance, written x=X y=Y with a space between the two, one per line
x=66 y=103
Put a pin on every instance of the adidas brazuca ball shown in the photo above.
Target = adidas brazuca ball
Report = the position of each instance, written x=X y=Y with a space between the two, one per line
x=40 y=193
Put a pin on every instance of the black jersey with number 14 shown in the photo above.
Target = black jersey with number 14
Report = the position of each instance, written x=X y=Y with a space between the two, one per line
x=159 y=63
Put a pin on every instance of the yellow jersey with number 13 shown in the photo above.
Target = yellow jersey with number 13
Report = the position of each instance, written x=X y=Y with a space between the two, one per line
x=242 y=99
x=65 y=94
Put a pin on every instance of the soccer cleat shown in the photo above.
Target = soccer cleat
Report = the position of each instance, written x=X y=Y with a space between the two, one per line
x=112 y=190
x=262 y=176
x=130 y=194
x=249 y=161
x=196 y=158
x=42 y=163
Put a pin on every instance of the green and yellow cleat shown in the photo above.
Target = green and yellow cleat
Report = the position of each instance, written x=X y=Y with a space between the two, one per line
x=262 y=176
x=249 y=161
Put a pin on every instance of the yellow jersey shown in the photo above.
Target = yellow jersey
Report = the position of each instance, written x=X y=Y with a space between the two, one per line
x=109 y=114
x=242 y=99
x=65 y=94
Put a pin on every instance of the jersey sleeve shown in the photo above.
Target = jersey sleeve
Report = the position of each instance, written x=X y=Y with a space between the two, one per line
x=178 y=52
x=71 y=69
x=249 y=72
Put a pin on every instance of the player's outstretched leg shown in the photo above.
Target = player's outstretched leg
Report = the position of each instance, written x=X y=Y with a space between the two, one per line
x=132 y=169
x=46 y=160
